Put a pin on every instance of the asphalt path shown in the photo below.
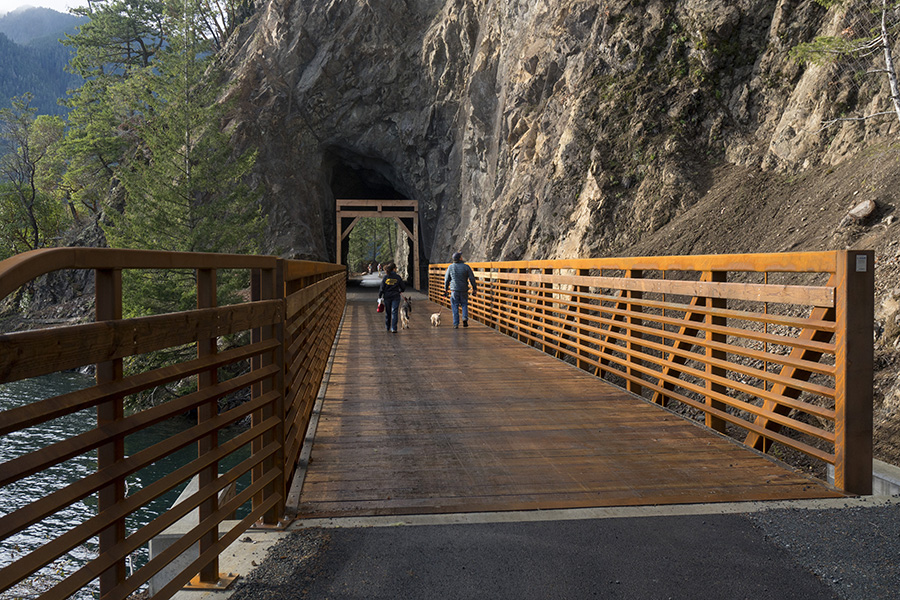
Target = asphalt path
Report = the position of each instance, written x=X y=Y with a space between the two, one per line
x=781 y=554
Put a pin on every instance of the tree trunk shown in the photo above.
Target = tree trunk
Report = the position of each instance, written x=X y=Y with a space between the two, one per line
x=889 y=59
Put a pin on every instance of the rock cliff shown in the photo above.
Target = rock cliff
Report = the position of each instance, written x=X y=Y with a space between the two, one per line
x=536 y=128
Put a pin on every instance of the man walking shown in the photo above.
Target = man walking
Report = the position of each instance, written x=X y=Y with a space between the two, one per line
x=456 y=283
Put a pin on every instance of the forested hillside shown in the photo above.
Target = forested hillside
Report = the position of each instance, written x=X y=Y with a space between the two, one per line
x=32 y=60
x=40 y=71
x=28 y=24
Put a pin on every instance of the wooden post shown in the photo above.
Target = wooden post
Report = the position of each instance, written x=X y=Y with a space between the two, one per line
x=712 y=422
x=417 y=267
x=520 y=308
x=633 y=386
x=490 y=297
x=268 y=284
x=582 y=304
x=854 y=357
x=598 y=371
x=339 y=227
x=546 y=296
x=206 y=298
x=108 y=307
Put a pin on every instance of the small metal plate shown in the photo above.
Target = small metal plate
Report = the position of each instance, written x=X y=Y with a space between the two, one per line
x=225 y=580
x=281 y=525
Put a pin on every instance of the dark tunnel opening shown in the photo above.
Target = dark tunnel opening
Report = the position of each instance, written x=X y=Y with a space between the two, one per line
x=355 y=177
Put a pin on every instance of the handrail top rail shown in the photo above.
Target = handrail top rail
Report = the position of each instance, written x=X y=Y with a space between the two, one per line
x=18 y=270
x=295 y=269
x=785 y=262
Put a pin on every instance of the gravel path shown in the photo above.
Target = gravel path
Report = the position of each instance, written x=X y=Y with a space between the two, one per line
x=854 y=550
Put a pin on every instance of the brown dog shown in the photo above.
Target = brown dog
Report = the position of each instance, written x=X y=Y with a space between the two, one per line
x=405 y=310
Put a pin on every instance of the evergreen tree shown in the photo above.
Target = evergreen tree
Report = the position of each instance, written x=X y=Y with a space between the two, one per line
x=184 y=190
x=120 y=39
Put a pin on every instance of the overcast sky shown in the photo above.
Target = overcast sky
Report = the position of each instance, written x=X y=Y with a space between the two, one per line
x=60 y=5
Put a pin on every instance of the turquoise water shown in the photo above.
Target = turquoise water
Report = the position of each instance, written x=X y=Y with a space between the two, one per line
x=32 y=488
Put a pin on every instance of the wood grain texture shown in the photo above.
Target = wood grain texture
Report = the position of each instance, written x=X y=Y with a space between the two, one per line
x=443 y=420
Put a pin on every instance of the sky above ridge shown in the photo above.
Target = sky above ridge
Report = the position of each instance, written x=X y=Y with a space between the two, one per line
x=58 y=5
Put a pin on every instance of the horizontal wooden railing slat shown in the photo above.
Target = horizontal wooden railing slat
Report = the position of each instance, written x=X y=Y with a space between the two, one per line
x=315 y=302
x=42 y=411
x=90 y=528
x=224 y=541
x=762 y=394
x=771 y=319
x=61 y=451
x=51 y=350
x=86 y=574
x=695 y=340
x=788 y=262
x=785 y=440
x=621 y=313
x=20 y=519
x=792 y=294
x=800 y=384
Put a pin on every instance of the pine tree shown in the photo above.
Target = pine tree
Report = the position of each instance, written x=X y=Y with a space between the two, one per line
x=184 y=189
x=122 y=37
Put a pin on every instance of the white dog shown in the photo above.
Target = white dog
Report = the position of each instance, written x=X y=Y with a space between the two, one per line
x=436 y=319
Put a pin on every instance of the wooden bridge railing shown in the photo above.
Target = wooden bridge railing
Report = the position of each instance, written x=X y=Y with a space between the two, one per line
x=768 y=348
x=293 y=316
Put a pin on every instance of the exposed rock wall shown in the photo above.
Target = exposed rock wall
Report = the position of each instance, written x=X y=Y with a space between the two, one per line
x=529 y=128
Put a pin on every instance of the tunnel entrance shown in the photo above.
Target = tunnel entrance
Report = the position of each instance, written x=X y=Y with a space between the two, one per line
x=367 y=187
x=348 y=212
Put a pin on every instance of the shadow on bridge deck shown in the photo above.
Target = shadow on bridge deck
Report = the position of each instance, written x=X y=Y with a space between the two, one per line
x=436 y=420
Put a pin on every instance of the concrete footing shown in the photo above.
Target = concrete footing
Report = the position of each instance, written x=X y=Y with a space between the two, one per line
x=885 y=478
x=174 y=533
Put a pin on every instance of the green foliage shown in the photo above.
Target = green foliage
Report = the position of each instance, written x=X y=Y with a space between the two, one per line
x=371 y=241
x=121 y=36
x=851 y=42
x=145 y=123
x=184 y=190
x=824 y=50
x=30 y=218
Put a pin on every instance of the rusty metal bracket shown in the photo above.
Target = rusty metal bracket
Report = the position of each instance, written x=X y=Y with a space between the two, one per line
x=224 y=582
x=281 y=525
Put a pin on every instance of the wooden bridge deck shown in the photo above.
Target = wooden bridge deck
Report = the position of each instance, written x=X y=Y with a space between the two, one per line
x=434 y=420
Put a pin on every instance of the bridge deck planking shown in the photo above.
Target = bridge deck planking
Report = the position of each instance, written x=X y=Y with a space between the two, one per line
x=432 y=420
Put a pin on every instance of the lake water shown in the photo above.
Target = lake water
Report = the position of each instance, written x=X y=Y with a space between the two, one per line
x=27 y=490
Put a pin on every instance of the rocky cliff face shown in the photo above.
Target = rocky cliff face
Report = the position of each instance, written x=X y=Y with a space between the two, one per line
x=533 y=128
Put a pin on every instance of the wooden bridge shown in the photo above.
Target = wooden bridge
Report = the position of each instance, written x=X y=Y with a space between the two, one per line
x=717 y=360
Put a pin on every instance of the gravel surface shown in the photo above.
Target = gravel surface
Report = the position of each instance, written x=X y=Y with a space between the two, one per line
x=854 y=550
x=287 y=569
